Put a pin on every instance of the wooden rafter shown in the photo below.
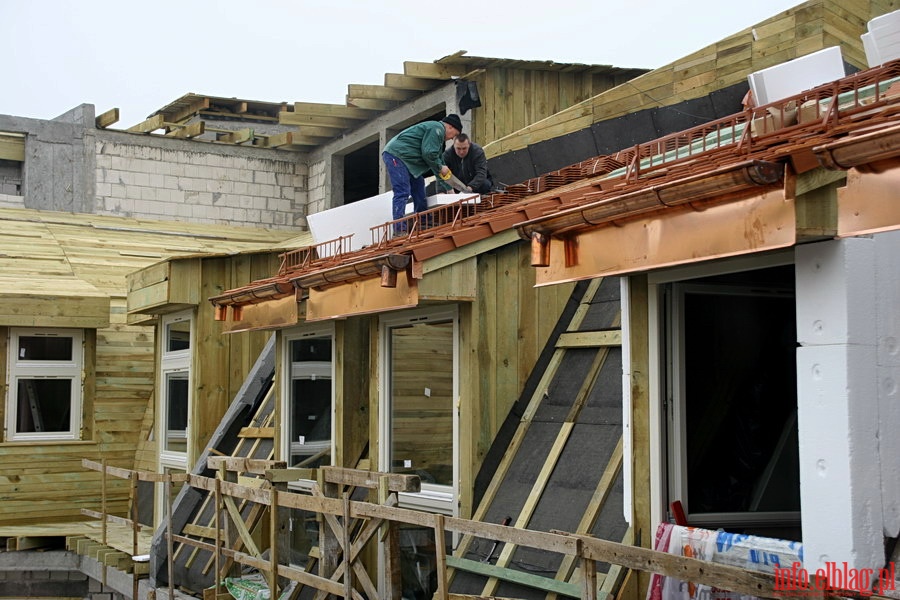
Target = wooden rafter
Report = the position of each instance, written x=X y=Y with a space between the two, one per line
x=152 y=124
x=106 y=119
x=379 y=92
x=333 y=110
x=289 y=139
x=433 y=70
x=188 y=110
x=405 y=82
x=293 y=118
x=188 y=131
x=369 y=103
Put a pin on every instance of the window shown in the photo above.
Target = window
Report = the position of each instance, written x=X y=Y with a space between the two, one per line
x=733 y=447
x=174 y=390
x=45 y=384
x=419 y=423
x=309 y=397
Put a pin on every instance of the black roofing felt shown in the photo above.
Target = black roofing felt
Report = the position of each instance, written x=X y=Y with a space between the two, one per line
x=569 y=490
x=609 y=136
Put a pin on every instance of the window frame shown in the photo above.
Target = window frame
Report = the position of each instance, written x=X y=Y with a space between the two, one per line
x=174 y=362
x=72 y=370
x=664 y=406
x=432 y=497
x=288 y=370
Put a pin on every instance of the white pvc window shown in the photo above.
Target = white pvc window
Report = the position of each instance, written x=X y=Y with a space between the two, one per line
x=419 y=399
x=45 y=384
x=726 y=383
x=174 y=389
x=308 y=398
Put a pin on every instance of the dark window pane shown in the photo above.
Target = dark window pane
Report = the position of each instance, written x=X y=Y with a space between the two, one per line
x=176 y=411
x=314 y=349
x=43 y=405
x=45 y=348
x=178 y=336
x=741 y=427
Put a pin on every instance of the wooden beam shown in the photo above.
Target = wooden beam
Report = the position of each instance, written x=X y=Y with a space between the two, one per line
x=312 y=131
x=236 y=137
x=292 y=118
x=379 y=92
x=106 y=119
x=188 y=131
x=333 y=110
x=152 y=124
x=527 y=579
x=305 y=140
x=188 y=111
x=278 y=140
x=257 y=432
x=366 y=479
x=405 y=82
x=433 y=70
x=589 y=339
x=370 y=103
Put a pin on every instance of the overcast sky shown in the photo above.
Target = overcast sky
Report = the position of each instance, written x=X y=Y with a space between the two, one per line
x=139 y=56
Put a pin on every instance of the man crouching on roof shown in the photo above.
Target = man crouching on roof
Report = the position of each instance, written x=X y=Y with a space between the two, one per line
x=409 y=155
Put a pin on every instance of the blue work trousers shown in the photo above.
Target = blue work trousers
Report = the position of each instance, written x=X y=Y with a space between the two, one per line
x=404 y=186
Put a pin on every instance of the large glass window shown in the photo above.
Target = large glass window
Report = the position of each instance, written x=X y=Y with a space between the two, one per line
x=734 y=458
x=419 y=421
x=45 y=370
x=309 y=403
x=174 y=390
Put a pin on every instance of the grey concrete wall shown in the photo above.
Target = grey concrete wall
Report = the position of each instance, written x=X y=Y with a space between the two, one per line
x=71 y=166
x=59 y=160
x=201 y=182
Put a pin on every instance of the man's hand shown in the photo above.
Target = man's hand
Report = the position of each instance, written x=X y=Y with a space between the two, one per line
x=445 y=170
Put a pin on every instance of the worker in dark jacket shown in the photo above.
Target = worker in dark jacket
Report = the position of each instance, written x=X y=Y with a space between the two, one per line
x=411 y=154
x=467 y=161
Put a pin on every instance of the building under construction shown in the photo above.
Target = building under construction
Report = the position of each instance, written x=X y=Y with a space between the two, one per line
x=659 y=361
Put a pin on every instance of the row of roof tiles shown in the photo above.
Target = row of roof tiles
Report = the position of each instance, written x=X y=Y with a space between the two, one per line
x=783 y=132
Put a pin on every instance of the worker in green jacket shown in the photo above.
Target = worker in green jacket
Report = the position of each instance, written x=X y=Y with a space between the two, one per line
x=411 y=154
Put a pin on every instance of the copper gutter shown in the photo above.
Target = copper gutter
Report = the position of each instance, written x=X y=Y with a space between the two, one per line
x=873 y=152
x=729 y=181
x=255 y=293
x=385 y=265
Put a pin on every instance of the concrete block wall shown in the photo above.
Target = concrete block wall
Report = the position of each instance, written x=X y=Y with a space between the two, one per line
x=10 y=177
x=154 y=178
x=42 y=574
x=11 y=201
x=318 y=193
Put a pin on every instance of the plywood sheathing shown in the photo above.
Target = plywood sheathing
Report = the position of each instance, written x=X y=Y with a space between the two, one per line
x=72 y=256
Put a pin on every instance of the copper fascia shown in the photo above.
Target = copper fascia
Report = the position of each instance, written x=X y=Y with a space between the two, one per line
x=874 y=152
x=253 y=294
x=723 y=182
x=348 y=272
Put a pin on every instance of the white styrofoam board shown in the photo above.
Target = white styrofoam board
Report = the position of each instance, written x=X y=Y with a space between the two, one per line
x=357 y=218
x=796 y=76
